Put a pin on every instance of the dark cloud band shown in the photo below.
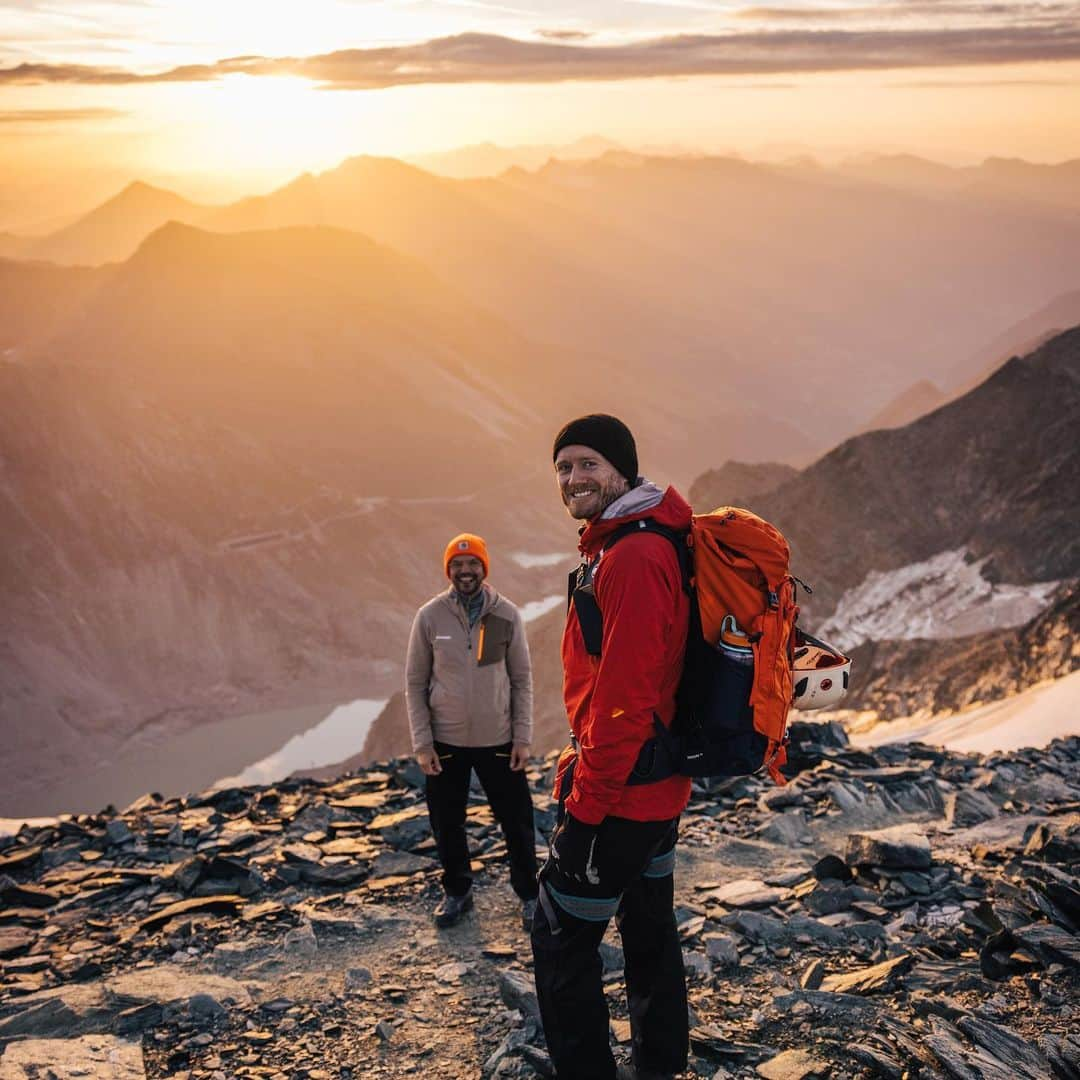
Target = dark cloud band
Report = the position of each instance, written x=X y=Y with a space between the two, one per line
x=474 y=58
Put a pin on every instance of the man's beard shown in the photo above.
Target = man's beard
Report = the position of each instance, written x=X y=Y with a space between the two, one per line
x=592 y=507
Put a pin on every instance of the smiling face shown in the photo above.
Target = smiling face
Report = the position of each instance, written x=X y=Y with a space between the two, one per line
x=466 y=574
x=588 y=482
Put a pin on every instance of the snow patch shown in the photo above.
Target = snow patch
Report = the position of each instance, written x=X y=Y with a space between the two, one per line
x=535 y=608
x=529 y=561
x=944 y=597
x=1035 y=717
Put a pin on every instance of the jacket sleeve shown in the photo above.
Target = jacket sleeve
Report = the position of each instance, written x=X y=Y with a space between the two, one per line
x=418 y=665
x=637 y=587
x=519 y=670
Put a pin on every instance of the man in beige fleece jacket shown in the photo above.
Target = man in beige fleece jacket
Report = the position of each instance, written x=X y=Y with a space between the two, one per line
x=469 y=694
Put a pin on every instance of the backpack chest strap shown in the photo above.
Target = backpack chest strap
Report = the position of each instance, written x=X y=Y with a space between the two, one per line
x=581 y=592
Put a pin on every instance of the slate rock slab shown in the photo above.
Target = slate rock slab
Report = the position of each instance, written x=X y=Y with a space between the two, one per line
x=226 y=904
x=746 y=892
x=793 y=1065
x=14 y=941
x=1051 y=942
x=93 y=1008
x=968 y=807
x=883 y=976
x=91 y=1057
x=899 y=847
x=518 y=992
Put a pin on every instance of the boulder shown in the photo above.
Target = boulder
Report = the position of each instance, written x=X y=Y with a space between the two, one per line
x=900 y=847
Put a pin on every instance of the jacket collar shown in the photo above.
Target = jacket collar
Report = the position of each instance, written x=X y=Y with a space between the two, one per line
x=644 y=501
x=491 y=598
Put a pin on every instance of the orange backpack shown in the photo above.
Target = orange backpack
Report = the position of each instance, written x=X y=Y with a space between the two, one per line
x=741 y=570
x=736 y=689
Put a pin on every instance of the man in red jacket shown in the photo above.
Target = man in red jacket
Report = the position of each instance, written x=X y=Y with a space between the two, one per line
x=613 y=849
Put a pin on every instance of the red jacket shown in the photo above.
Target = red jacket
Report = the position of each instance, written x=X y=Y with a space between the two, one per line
x=611 y=699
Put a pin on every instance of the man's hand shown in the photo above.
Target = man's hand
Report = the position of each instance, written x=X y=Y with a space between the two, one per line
x=573 y=847
x=429 y=763
x=519 y=756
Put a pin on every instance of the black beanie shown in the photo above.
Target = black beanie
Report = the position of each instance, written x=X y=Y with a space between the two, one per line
x=607 y=435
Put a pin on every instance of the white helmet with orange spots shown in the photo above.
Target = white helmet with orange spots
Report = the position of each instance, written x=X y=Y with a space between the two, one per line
x=820 y=673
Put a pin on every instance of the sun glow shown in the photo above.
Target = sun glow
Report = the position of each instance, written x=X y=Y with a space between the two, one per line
x=261 y=123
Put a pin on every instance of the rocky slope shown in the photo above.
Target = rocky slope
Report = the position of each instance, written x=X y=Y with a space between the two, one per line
x=901 y=912
x=996 y=473
x=904 y=678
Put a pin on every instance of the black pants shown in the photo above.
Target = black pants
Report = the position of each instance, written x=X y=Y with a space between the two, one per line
x=508 y=794
x=635 y=861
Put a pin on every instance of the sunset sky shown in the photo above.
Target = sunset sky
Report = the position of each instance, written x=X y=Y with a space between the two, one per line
x=237 y=95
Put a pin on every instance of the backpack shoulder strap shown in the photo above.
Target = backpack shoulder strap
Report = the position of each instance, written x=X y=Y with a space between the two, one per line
x=678 y=538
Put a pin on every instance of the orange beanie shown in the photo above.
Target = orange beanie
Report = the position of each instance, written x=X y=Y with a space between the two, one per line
x=466 y=544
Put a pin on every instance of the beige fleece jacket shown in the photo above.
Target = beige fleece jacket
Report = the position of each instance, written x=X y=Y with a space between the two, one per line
x=468 y=687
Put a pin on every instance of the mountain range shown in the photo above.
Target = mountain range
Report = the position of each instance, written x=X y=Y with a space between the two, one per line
x=797 y=297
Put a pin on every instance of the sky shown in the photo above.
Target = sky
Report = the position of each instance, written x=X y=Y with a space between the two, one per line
x=224 y=97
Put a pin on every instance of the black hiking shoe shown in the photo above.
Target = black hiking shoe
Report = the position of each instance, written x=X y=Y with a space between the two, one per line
x=451 y=909
x=625 y=1070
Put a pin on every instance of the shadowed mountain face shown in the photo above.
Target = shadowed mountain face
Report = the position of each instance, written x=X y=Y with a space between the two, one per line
x=228 y=477
x=996 y=472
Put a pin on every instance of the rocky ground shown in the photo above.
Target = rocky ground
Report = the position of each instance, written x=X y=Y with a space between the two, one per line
x=905 y=912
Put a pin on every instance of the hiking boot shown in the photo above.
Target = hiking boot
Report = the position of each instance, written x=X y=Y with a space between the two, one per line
x=528 y=910
x=452 y=908
x=625 y=1070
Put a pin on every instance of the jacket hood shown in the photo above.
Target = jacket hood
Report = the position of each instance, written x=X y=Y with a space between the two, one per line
x=646 y=500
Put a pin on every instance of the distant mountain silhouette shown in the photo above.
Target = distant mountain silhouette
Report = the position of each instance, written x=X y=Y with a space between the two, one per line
x=113 y=230
x=995 y=179
x=737 y=483
x=12 y=246
x=783 y=305
x=490 y=159
x=1023 y=337
x=919 y=399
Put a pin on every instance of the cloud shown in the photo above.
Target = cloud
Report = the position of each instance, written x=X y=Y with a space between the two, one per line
x=1011 y=13
x=58 y=116
x=473 y=58
x=564 y=35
